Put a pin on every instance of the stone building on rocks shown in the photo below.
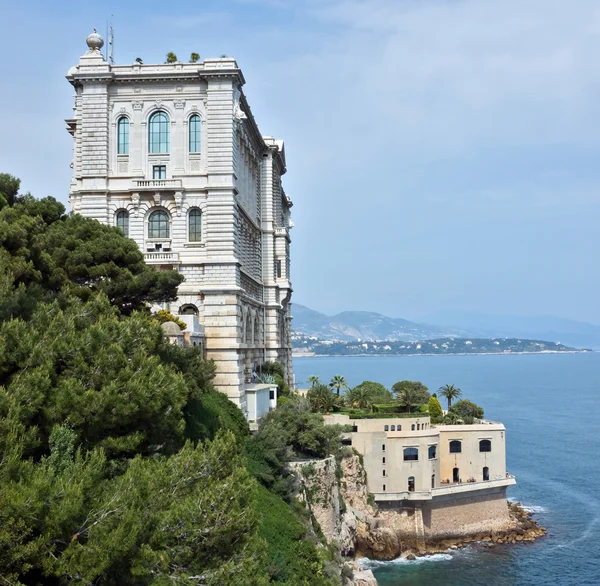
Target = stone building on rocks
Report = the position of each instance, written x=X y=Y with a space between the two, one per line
x=171 y=154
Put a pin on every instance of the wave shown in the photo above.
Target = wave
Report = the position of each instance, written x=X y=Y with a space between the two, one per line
x=434 y=557
x=529 y=508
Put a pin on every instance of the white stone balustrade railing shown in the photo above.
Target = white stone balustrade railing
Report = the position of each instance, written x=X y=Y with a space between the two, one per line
x=158 y=183
x=161 y=257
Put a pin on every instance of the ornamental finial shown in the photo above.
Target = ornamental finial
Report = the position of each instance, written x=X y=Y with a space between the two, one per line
x=95 y=42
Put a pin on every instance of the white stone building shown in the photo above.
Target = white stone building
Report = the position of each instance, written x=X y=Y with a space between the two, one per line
x=172 y=154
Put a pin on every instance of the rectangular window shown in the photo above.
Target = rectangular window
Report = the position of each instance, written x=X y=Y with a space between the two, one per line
x=383 y=447
x=159 y=172
x=278 y=268
x=272 y=395
x=384 y=487
x=383 y=460
x=384 y=472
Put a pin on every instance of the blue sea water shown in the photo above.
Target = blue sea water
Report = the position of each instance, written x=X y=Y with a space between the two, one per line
x=550 y=404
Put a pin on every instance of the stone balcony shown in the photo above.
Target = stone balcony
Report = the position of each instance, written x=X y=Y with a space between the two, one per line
x=444 y=490
x=154 y=184
x=161 y=258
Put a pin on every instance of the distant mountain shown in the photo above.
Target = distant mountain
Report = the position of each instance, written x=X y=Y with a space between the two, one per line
x=566 y=331
x=364 y=325
x=370 y=326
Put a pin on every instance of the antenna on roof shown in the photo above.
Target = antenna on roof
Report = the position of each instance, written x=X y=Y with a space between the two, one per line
x=110 y=45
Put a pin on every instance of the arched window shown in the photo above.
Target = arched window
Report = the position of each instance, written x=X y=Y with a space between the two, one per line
x=398 y=428
x=123 y=136
x=411 y=484
x=158 y=225
x=123 y=221
x=433 y=481
x=432 y=452
x=158 y=133
x=195 y=225
x=188 y=309
x=485 y=446
x=486 y=473
x=393 y=428
x=194 y=126
x=412 y=427
x=455 y=447
x=386 y=428
x=411 y=454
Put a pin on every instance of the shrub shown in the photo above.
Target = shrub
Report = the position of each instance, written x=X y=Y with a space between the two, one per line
x=435 y=409
x=467 y=410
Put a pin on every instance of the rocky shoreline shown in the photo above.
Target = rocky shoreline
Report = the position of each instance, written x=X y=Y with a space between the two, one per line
x=523 y=529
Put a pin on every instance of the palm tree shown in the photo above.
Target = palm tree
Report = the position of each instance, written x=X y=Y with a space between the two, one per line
x=450 y=392
x=194 y=57
x=361 y=396
x=170 y=57
x=322 y=398
x=409 y=396
x=338 y=382
x=313 y=379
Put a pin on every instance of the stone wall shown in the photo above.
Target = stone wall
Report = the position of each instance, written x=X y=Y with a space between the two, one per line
x=460 y=516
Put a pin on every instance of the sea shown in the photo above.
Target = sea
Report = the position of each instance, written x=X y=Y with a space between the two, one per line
x=550 y=405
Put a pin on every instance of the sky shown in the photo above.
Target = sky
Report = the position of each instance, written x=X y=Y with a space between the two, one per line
x=442 y=154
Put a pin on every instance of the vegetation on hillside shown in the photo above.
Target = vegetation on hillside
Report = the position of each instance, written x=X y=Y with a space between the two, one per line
x=119 y=462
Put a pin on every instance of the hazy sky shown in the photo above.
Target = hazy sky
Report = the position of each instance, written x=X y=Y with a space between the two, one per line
x=442 y=154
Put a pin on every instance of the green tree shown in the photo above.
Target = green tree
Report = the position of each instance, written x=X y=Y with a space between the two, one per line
x=139 y=60
x=466 y=410
x=194 y=57
x=338 y=382
x=9 y=189
x=276 y=369
x=450 y=392
x=410 y=393
x=170 y=57
x=435 y=410
x=313 y=379
x=164 y=316
x=376 y=391
x=322 y=398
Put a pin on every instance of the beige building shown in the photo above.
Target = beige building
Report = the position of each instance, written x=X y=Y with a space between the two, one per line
x=448 y=473
x=171 y=154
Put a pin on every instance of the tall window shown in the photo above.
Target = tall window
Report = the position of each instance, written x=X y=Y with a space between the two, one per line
x=123 y=136
x=195 y=225
x=123 y=222
x=411 y=454
x=158 y=133
x=485 y=446
x=455 y=447
x=194 y=126
x=158 y=225
x=432 y=452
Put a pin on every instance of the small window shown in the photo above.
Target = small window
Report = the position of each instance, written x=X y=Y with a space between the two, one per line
x=485 y=446
x=354 y=428
x=384 y=472
x=486 y=473
x=123 y=136
x=195 y=225
x=411 y=484
x=158 y=133
x=158 y=225
x=159 y=172
x=384 y=487
x=386 y=428
x=432 y=452
x=411 y=454
x=398 y=428
x=194 y=126
x=412 y=427
x=123 y=222
x=383 y=447
x=272 y=395
x=393 y=428
x=433 y=481
x=278 y=268
x=383 y=460
x=455 y=447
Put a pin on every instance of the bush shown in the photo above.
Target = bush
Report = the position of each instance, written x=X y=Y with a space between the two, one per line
x=435 y=410
x=467 y=411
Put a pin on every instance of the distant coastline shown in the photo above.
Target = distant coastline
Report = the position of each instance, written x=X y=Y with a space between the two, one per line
x=320 y=355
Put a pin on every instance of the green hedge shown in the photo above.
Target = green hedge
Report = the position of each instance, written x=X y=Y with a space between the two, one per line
x=363 y=415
